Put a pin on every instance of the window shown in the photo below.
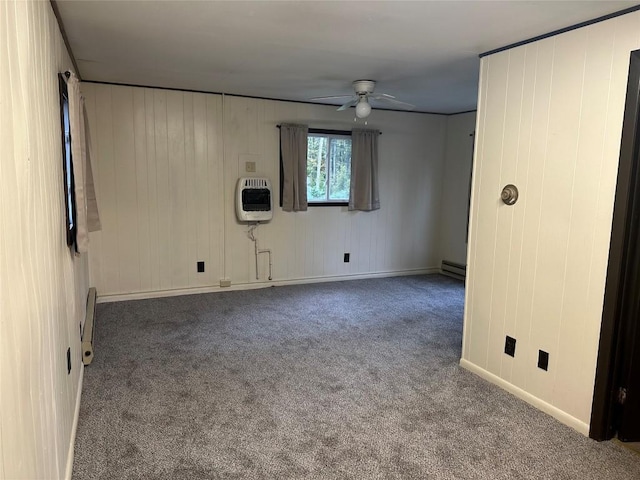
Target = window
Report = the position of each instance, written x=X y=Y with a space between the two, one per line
x=67 y=167
x=328 y=167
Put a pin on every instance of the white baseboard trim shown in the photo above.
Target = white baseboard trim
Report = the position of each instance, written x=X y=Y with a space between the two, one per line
x=74 y=428
x=120 y=297
x=547 y=408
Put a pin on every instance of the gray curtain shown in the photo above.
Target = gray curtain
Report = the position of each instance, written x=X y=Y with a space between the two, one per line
x=293 y=148
x=364 y=193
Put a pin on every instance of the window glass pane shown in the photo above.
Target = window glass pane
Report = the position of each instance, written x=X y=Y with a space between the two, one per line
x=67 y=167
x=67 y=160
x=328 y=168
x=317 y=168
x=340 y=168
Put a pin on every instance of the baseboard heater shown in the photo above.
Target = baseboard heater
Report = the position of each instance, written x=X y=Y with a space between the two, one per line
x=454 y=270
x=87 y=332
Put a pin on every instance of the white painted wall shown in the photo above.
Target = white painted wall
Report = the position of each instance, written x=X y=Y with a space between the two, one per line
x=549 y=121
x=167 y=166
x=44 y=287
x=456 y=183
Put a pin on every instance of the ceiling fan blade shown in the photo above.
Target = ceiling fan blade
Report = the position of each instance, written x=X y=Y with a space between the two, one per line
x=397 y=103
x=350 y=103
x=331 y=97
x=380 y=96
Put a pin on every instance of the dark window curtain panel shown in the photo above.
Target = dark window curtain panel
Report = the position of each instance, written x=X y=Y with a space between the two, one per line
x=293 y=148
x=364 y=193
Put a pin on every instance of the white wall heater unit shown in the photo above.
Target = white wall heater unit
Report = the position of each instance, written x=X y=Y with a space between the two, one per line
x=454 y=270
x=254 y=200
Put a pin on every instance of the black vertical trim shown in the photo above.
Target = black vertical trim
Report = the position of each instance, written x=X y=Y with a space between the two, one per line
x=281 y=170
x=69 y=190
x=609 y=362
x=473 y=151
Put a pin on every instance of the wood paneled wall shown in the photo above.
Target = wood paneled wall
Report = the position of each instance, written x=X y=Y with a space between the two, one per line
x=159 y=186
x=550 y=118
x=44 y=286
x=168 y=163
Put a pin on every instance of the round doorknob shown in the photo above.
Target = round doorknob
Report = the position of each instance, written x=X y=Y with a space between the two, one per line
x=509 y=194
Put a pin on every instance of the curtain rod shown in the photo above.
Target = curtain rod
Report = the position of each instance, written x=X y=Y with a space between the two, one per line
x=329 y=130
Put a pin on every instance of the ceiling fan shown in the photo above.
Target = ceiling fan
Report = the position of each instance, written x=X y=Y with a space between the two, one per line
x=363 y=93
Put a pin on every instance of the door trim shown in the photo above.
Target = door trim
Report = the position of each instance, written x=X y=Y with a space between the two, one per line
x=609 y=362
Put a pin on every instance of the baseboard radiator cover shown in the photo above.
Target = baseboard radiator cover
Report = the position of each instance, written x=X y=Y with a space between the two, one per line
x=89 y=324
x=453 y=269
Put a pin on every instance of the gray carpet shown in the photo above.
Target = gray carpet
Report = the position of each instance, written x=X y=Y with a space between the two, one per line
x=345 y=380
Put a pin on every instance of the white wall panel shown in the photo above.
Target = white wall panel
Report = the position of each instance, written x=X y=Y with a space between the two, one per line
x=163 y=191
x=549 y=120
x=168 y=166
x=177 y=214
x=314 y=242
x=485 y=246
x=214 y=186
x=158 y=188
x=511 y=225
x=44 y=285
x=525 y=224
x=455 y=194
x=126 y=198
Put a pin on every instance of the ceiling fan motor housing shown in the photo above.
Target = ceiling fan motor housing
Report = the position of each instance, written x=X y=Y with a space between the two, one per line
x=363 y=87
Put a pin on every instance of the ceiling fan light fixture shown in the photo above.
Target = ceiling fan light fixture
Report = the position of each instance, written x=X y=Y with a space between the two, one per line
x=363 y=109
x=363 y=92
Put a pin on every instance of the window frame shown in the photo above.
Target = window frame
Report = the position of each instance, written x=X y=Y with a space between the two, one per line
x=329 y=133
x=318 y=131
x=67 y=163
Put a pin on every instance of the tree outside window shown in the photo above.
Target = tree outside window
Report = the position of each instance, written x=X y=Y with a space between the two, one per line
x=328 y=168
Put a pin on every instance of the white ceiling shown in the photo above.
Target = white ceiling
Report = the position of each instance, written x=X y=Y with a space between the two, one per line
x=423 y=52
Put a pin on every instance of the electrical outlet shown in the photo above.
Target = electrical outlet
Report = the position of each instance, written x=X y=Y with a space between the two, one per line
x=543 y=360
x=68 y=360
x=225 y=282
x=250 y=166
x=346 y=257
x=510 y=346
x=200 y=267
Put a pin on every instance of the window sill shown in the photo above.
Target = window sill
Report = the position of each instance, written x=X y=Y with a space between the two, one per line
x=328 y=204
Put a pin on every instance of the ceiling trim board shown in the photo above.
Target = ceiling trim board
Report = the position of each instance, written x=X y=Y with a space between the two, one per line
x=259 y=98
x=562 y=30
x=56 y=13
x=460 y=113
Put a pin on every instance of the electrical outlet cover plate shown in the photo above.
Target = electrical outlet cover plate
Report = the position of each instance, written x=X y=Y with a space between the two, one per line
x=510 y=346
x=543 y=360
